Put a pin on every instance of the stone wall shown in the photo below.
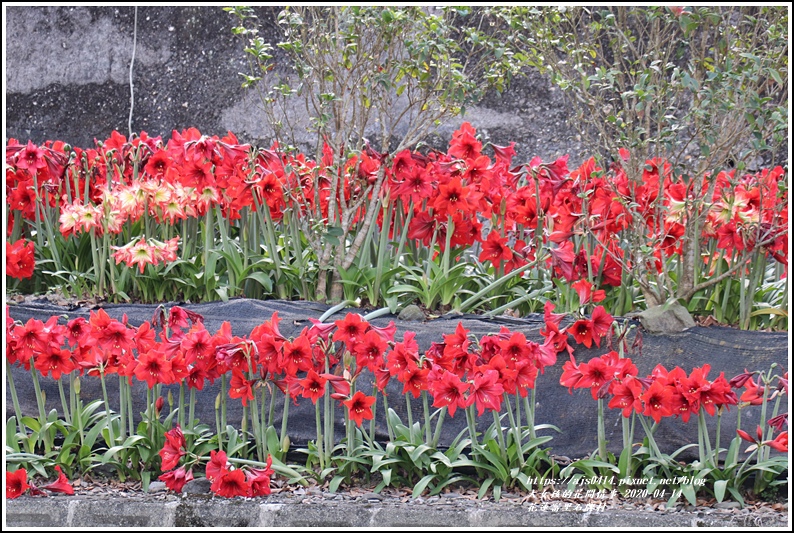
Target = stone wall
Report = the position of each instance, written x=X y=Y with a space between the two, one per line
x=68 y=78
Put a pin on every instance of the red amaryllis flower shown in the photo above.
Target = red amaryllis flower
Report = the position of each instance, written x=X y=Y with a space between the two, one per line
x=754 y=392
x=595 y=373
x=61 y=485
x=297 y=355
x=586 y=294
x=240 y=387
x=495 y=249
x=16 y=483
x=683 y=406
x=259 y=478
x=780 y=443
x=351 y=330
x=658 y=401
x=116 y=338
x=452 y=197
x=173 y=449
x=77 y=331
x=31 y=339
x=175 y=479
x=414 y=380
x=486 y=391
x=177 y=318
x=516 y=349
x=386 y=332
x=197 y=345
x=504 y=153
x=340 y=385
x=449 y=391
x=31 y=158
x=457 y=343
x=217 y=464
x=56 y=361
x=694 y=385
x=313 y=386
x=404 y=356
x=717 y=394
x=602 y=324
x=422 y=227
x=359 y=407
x=526 y=376
x=626 y=396
x=582 y=331
x=464 y=145
x=571 y=374
x=231 y=483
x=369 y=350
x=562 y=259
x=153 y=368
x=552 y=320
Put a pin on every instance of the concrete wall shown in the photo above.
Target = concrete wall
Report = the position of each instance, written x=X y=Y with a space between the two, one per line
x=67 y=78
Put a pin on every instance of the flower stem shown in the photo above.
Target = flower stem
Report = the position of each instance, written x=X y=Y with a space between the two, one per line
x=516 y=432
x=42 y=411
x=15 y=400
x=284 y=418
x=319 y=441
x=410 y=411
x=181 y=415
x=192 y=409
x=499 y=433
x=602 y=439
x=428 y=435
x=530 y=409
x=439 y=423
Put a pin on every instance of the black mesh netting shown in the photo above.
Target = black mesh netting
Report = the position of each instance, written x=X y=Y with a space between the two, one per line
x=726 y=350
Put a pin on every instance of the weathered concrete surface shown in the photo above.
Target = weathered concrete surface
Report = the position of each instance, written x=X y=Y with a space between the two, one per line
x=68 y=79
x=198 y=511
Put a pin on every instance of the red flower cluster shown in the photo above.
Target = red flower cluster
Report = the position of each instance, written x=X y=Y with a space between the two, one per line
x=100 y=190
x=662 y=394
x=20 y=260
x=228 y=481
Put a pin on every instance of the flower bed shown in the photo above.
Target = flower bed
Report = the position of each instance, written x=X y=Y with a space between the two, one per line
x=201 y=218
x=478 y=378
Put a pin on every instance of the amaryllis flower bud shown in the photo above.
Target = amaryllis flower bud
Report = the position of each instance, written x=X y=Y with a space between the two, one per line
x=194 y=317
x=158 y=404
x=738 y=382
x=745 y=436
x=779 y=421
x=782 y=383
x=158 y=318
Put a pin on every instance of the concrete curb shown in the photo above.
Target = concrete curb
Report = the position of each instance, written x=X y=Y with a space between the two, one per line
x=208 y=511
